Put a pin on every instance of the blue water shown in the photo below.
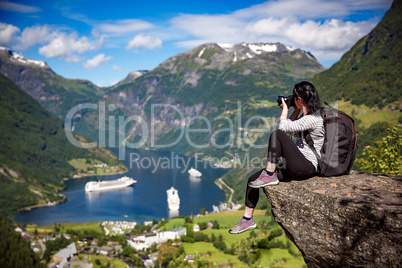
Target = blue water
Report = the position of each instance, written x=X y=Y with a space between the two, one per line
x=145 y=200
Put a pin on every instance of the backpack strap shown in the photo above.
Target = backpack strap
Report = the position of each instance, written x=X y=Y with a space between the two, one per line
x=310 y=142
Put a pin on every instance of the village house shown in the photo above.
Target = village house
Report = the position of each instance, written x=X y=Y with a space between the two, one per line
x=61 y=258
x=144 y=241
x=175 y=233
x=105 y=251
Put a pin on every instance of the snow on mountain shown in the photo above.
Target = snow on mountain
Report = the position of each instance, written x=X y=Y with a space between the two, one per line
x=21 y=59
x=201 y=52
x=259 y=48
x=244 y=51
x=227 y=47
x=135 y=74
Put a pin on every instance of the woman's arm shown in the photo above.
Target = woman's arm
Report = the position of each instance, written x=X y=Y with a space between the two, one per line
x=295 y=114
x=285 y=110
x=301 y=124
x=307 y=122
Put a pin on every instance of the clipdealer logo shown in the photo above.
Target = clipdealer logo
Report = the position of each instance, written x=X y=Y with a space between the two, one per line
x=119 y=125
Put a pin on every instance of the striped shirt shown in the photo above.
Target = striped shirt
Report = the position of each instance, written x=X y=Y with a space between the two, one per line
x=315 y=125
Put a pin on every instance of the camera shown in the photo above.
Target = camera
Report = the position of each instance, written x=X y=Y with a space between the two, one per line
x=289 y=100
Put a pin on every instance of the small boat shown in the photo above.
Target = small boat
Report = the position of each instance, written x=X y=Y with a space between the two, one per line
x=173 y=199
x=93 y=186
x=195 y=173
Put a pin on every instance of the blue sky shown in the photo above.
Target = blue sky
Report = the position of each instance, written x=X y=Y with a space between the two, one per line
x=102 y=41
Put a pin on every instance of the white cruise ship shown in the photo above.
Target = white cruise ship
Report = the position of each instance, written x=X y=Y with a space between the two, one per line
x=93 y=186
x=195 y=173
x=173 y=199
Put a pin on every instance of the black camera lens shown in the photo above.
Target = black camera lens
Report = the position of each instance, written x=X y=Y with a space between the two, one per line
x=289 y=100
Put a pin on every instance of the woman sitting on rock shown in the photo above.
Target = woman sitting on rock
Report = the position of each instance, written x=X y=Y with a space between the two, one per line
x=298 y=161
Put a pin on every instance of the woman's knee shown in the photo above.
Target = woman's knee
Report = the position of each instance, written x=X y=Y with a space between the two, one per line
x=276 y=134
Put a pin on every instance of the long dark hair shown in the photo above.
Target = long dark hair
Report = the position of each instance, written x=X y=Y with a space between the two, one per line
x=309 y=94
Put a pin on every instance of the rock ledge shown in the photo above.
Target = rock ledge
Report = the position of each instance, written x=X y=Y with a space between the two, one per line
x=347 y=221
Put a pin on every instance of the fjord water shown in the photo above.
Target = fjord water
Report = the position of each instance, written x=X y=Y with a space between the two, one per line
x=145 y=200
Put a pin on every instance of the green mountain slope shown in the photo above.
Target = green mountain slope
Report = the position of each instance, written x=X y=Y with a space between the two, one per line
x=34 y=152
x=370 y=72
x=55 y=93
x=225 y=81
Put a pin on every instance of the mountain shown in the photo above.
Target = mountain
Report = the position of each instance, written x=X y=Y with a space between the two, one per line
x=212 y=81
x=370 y=72
x=212 y=73
x=130 y=78
x=55 y=93
x=35 y=154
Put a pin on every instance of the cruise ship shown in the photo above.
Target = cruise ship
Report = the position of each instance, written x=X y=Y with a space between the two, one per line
x=173 y=199
x=93 y=186
x=195 y=173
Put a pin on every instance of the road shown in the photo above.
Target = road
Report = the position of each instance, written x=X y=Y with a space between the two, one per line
x=43 y=246
x=231 y=190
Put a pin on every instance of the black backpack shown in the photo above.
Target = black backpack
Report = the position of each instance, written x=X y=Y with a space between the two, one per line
x=340 y=144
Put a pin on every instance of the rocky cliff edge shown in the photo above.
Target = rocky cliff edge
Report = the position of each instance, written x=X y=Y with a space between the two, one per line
x=348 y=221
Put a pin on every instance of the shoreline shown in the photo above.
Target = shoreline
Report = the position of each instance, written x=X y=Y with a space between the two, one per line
x=48 y=204
x=85 y=175
x=65 y=199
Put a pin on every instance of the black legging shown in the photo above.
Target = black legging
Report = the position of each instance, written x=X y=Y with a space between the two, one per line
x=293 y=167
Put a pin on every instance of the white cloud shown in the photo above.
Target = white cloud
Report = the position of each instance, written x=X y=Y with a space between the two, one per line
x=96 y=61
x=211 y=27
x=54 y=42
x=9 y=6
x=123 y=26
x=270 y=26
x=64 y=45
x=38 y=34
x=318 y=26
x=310 y=9
x=117 y=68
x=72 y=58
x=144 y=41
x=328 y=35
x=333 y=35
x=7 y=32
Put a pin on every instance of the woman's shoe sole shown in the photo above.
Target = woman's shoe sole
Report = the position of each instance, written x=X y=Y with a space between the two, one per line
x=251 y=227
x=266 y=184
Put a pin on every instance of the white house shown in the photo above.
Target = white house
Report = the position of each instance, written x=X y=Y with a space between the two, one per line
x=196 y=228
x=63 y=256
x=175 y=233
x=105 y=251
x=143 y=241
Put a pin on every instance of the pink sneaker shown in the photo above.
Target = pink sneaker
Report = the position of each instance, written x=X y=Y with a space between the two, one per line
x=264 y=180
x=243 y=225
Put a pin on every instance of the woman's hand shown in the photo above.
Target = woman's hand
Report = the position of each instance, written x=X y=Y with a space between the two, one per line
x=283 y=105
x=285 y=110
